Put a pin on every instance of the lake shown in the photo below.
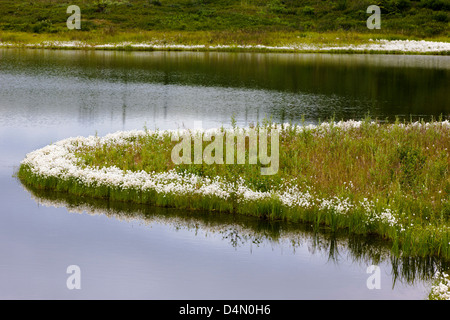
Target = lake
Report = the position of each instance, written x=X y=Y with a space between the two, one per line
x=140 y=252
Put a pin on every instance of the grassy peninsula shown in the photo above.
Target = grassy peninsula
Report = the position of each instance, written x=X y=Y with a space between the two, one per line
x=366 y=177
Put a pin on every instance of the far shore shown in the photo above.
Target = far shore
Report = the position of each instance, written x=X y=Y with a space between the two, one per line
x=337 y=42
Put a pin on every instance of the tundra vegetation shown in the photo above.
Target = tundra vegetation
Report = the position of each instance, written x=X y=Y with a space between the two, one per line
x=365 y=177
x=223 y=22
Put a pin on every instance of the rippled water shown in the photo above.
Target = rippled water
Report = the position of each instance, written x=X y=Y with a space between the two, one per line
x=126 y=251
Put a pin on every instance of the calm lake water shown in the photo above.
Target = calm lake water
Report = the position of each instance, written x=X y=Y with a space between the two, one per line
x=141 y=252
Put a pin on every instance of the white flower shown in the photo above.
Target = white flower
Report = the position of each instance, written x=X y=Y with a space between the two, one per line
x=441 y=289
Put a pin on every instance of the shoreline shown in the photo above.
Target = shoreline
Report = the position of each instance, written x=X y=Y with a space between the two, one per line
x=408 y=47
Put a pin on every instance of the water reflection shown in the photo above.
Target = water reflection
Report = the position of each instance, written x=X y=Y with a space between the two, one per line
x=237 y=231
x=175 y=86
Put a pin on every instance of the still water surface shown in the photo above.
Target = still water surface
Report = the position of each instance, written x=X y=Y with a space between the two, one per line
x=126 y=251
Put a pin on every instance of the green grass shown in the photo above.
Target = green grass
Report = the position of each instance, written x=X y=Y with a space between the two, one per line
x=406 y=171
x=272 y=22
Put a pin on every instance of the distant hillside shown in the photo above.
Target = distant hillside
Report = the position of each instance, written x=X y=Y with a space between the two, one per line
x=420 y=18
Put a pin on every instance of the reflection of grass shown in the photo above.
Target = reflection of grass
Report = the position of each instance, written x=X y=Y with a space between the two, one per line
x=389 y=179
x=241 y=230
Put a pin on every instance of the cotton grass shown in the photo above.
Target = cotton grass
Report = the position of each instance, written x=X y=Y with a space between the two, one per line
x=374 y=46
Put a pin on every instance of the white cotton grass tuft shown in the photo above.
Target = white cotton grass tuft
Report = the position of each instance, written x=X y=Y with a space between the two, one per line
x=381 y=45
x=440 y=290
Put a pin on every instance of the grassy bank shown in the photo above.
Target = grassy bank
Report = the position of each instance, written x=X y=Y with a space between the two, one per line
x=365 y=177
x=227 y=25
x=212 y=38
x=301 y=42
